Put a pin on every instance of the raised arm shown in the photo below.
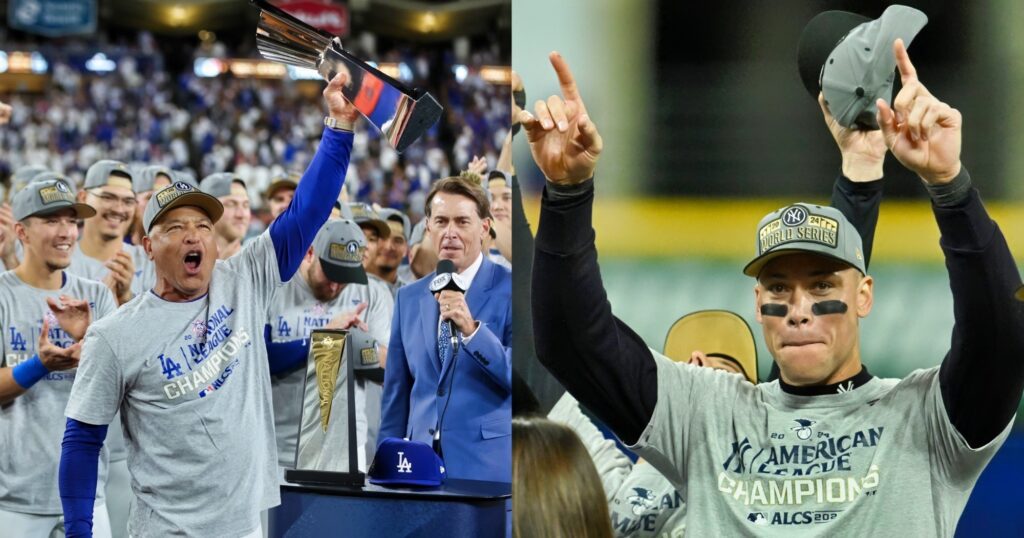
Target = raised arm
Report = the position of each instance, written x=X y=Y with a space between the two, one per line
x=857 y=192
x=293 y=231
x=982 y=376
x=600 y=360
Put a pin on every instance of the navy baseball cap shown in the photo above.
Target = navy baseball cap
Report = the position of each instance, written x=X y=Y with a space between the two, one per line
x=399 y=462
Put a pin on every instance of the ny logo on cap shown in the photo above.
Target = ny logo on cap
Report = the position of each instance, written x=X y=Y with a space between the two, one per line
x=403 y=463
x=794 y=216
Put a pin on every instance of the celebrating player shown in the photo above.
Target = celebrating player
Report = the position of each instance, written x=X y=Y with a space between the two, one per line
x=829 y=443
x=41 y=347
x=186 y=366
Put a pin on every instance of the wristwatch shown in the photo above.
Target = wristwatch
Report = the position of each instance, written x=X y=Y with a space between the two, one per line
x=332 y=123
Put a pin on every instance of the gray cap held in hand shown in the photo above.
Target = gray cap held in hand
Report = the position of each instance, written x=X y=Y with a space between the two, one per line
x=858 y=65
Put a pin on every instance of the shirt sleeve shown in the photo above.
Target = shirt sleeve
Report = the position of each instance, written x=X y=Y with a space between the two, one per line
x=612 y=465
x=293 y=231
x=597 y=357
x=689 y=397
x=957 y=464
x=99 y=383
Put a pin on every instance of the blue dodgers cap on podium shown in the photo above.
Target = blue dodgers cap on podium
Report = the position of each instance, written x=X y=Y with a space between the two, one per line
x=399 y=462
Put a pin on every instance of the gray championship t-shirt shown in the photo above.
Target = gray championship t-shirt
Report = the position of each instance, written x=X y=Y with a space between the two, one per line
x=881 y=459
x=32 y=426
x=192 y=384
x=145 y=277
x=647 y=505
x=295 y=315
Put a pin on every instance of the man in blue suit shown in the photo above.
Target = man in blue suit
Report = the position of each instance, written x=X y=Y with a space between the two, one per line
x=466 y=394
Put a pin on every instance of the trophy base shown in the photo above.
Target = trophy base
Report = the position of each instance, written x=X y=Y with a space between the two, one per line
x=299 y=476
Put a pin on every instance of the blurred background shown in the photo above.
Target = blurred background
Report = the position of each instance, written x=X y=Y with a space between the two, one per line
x=181 y=84
x=707 y=128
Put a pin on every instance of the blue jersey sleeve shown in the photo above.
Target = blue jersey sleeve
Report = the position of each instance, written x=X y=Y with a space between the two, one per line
x=79 y=461
x=293 y=231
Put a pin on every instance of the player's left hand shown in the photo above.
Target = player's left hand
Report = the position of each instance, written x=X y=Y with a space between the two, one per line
x=73 y=315
x=863 y=151
x=454 y=307
x=921 y=131
x=338 y=106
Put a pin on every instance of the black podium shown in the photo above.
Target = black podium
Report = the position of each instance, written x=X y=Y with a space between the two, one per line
x=459 y=508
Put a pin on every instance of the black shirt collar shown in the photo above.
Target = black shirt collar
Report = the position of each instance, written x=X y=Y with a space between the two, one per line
x=845 y=385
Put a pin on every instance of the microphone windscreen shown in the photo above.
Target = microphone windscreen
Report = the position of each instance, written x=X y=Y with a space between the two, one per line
x=445 y=266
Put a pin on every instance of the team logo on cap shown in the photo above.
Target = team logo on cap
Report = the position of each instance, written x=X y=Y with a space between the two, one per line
x=794 y=216
x=347 y=252
x=797 y=224
x=404 y=466
x=169 y=194
x=58 y=192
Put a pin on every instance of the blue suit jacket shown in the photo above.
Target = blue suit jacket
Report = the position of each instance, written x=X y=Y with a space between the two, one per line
x=476 y=436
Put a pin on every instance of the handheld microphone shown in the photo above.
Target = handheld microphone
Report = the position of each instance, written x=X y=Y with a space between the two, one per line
x=447 y=279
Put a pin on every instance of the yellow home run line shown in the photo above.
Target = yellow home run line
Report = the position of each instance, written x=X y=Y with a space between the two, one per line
x=724 y=228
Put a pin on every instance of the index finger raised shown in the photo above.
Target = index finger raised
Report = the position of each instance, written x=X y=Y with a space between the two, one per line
x=565 y=79
x=907 y=70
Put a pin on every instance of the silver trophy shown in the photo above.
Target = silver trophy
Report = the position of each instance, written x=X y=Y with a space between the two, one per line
x=402 y=114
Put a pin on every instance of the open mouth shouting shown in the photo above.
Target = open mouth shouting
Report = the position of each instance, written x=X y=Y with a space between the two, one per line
x=193 y=260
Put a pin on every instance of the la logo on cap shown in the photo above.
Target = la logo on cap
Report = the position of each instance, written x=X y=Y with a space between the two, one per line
x=404 y=466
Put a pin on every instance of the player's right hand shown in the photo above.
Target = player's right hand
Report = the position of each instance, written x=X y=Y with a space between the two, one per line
x=563 y=140
x=119 y=280
x=350 y=319
x=338 y=106
x=54 y=357
x=863 y=151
